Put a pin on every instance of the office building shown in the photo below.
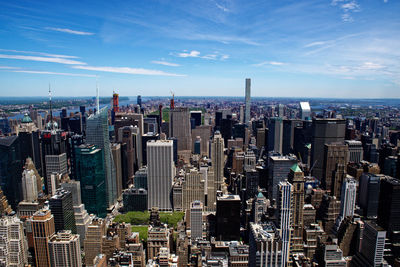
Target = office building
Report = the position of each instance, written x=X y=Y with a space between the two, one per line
x=388 y=210
x=369 y=194
x=125 y=135
x=193 y=187
x=29 y=136
x=90 y=170
x=29 y=185
x=11 y=164
x=247 y=117
x=93 y=244
x=347 y=201
x=217 y=158
x=252 y=183
x=196 y=115
x=275 y=134
x=62 y=209
x=278 y=169
x=55 y=164
x=265 y=246
x=43 y=229
x=116 y=153
x=135 y=199
x=285 y=219
x=356 y=152
x=140 y=180
x=157 y=237
x=288 y=134
x=260 y=208
x=372 y=247
x=97 y=134
x=160 y=174
x=334 y=153
x=13 y=245
x=196 y=219
x=324 y=131
x=179 y=127
x=296 y=178
x=332 y=255
x=228 y=217
x=305 y=111
x=65 y=250
x=204 y=131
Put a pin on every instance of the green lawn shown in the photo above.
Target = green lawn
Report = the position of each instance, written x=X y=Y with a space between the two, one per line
x=142 y=218
x=142 y=230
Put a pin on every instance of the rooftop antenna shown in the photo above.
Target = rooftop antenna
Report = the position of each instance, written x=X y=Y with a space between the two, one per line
x=51 y=109
x=97 y=97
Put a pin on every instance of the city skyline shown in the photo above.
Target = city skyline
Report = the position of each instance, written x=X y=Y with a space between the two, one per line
x=339 y=48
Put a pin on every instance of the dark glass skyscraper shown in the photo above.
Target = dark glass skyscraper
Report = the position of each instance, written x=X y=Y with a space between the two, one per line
x=62 y=209
x=90 y=170
x=97 y=134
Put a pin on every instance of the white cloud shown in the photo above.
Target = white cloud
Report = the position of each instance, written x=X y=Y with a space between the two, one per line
x=192 y=53
x=385 y=1
x=165 y=63
x=37 y=53
x=9 y=68
x=54 y=73
x=69 y=31
x=127 y=70
x=44 y=59
x=224 y=57
x=371 y=66
x=348 y=7
x=273 y=63
x=315 y=44
x=222 y=7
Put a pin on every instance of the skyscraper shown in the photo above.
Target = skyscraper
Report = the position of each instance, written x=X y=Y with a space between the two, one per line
x=369 y=194
x=29 y=185
x=275 y=134
x=97 y=134
x=217 y=158
x=278 y=168
x=65 y=250
x=334 y=153
x=324 y=131
x=348 y=200
x=43 y=229
x=93 y=240
x=13 y=245
x=62 y=209
x=247 y=102
x=284 y=216
x=116 y=152
x=179 y=127
x=160 y=174
x=305 y=111
x=296 y=178
x=90 y=170
x=196 y=219
x=192 y=188
x=228 y=217
x=55 y=164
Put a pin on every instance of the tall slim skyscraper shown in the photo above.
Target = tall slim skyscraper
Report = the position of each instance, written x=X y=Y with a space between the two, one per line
x=369 y=194
x=116 y=152
x=29 y=185
x=62 y=209
x=196 y=219
x=284 y=216
x=275 y=134
x=348 y=200
x=43 y=229
x=97 y=134
x=247 y=102
x=296 y=178
x=179 y=127
x=192 y=188
x=13 y=245
x=278 y=168
x=65 y=250
x=334 y=153
x=324 y=131
x=217 y=158
x=160 y=174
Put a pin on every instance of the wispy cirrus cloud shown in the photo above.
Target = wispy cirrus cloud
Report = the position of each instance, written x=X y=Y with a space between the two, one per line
x=165 y=63
x=273 y=63
x=54 y=73
x=36 y=53
x=65 y=30
x=348 y=7
x=319 y=43
x=127 y=70
x=43 y=59
x=9 y=68
x=197 y=54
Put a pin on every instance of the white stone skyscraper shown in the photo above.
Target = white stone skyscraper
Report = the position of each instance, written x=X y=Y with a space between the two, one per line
x=97 y=134
x=29 y=185
x=13 y=245
x=284 y=216
x=160 y=173
x=348 y=200
x=217 y=158
x=247 y=102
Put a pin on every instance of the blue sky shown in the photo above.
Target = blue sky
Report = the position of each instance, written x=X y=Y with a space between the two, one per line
x=331 y=48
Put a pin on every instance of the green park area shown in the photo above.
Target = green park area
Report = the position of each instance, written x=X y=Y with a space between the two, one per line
x=139 y=220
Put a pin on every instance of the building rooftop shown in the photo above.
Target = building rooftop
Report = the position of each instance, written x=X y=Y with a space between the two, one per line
x=229 y=197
